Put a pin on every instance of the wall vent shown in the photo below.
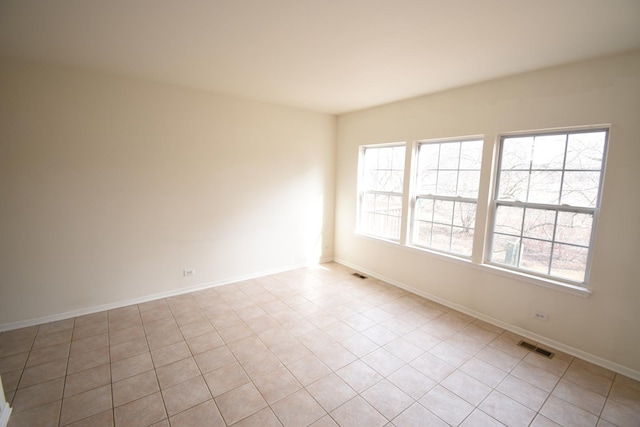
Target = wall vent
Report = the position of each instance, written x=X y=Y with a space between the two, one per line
x=360 y=276
x=536 y=349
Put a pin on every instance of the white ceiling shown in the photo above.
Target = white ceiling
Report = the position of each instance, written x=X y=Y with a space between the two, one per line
x=330 y=56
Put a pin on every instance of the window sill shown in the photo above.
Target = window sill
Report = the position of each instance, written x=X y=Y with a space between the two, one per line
x=488 y=268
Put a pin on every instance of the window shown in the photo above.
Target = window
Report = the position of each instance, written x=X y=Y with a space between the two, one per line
x=446 y=195
x=381 y=190
x=546 y=202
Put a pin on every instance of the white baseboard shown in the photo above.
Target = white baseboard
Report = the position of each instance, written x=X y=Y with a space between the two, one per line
x=624 y=370
x=147 y=298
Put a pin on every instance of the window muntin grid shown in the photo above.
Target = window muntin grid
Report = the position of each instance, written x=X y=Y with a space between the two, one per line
x=381 y=194
x=546 y=200
x=447 y=182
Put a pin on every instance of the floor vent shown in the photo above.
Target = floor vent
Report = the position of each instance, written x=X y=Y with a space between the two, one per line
x=536 y=349
x=360 y=276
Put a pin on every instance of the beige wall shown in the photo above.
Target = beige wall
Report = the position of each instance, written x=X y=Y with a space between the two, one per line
x=604 y=326
x=110 y=187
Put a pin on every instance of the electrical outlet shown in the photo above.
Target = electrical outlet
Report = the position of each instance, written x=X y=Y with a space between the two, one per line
x=540 y=315
x=188 y=272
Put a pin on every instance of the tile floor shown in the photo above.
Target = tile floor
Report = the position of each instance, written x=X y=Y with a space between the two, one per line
x=313 y=346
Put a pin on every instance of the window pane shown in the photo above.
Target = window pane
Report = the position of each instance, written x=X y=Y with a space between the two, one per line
x=441 y=237
x=580 y=188
x=505 y=250
x=544 y=187
x=427 y=182
x=513 y=185
x=509 y=220
x=428 y=156
x=422 y=233
x=539 y=223
x=574 y=228
x=464 y=214
x=462 y=241
x=585 y=151
x=536 y=255
x=548 y=152
x=385 y=155
x=397 y=162
x=447 y=182
x=471 y=155
x=569 y=262
x=468 y=182
x=449 y=155
x=443 y=212
x=424 y=209
x=516 y=153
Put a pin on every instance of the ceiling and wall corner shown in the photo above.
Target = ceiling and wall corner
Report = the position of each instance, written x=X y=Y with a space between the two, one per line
x=330 y=56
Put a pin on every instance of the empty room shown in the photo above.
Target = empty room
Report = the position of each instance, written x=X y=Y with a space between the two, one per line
x=319 y=213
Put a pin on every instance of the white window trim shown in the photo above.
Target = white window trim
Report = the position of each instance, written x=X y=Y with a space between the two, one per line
x=483 y=232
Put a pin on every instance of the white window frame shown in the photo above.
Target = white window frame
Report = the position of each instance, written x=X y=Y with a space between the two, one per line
x=594 y=211
x=416 y=195
x=362 y=191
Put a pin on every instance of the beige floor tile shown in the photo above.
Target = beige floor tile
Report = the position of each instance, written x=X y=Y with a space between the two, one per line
x=31 y=397
x=126 y=368
x=84 y=405
x=53 y=338
x=46 y=415
x=277 y=385
x=446 y=405
x=145 y=411
x=263 y=418
x=177 y=372
x=567 y=414
x=42 y=373
x=87 y=380
x=204 y=414
x=103 y=419
x=412 y=381
x=387 y=399
x=125 y=335
x=240 y=403
x=325 y=421
x=465 y=343
x=135 y=387
x=88 y=360
x=359 y=345
x=335 y=356
x=483 y=372
x=90 y=329
x=620 y=415
x=627 y=392
x=359 y=376
x=214 y=359
x=542 y=421
x=196 y=329
x=498 y=358
x=380 y=335
x=480 y=419
x=226 y=378
x=432 y=366
x=331 y=392
x=57 y=326
x=128 y=349
x=507 y=410
x=357 y=412
x=44 y=355
x=298 y=409
x=418 y=416
x=422 y=339
x=14 y=362
x=89 y=319
x=466 y=387
x=450 y=354
x=290 y=350
x=309 y=369
x=403 y=349
x=169 y=354
x=235 y=332
x=535 y=376
x=383 y=361
x=260 y=365
x=359 y=322
x=10 y=380
x=84 y=345
x=163 y=339
x=522 y=392
x=204 y=342
x=185 y=395
x=580 y=397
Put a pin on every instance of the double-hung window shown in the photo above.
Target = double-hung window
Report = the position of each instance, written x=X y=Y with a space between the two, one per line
x=380 y=194
x=546 y=203
x=446 y=195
